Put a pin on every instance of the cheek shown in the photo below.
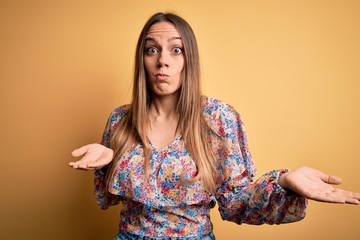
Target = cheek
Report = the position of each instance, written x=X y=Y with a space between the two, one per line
x=146 y=64
x=149 y=64
x=181 y=65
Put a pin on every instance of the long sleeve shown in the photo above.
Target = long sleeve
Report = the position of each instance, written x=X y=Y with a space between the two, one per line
x=263 y=201
x=103 y=197
x=240 y=199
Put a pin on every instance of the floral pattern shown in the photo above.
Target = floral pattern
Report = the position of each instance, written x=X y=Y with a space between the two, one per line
x=164 y=205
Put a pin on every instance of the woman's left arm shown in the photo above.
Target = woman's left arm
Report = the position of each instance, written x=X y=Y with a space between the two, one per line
x=240 y=199
x=279 y=196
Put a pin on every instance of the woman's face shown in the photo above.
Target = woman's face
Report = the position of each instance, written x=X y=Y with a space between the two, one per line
x=163 y=59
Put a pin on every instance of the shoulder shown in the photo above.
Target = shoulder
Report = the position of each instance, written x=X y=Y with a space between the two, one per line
x=216 y=108
x=114 y=119
x=221 y=117
x=118 y=114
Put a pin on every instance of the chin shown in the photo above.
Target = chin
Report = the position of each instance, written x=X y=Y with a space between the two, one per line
x=163 y=93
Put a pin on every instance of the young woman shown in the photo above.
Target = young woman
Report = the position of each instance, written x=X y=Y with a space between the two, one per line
x=171 y=153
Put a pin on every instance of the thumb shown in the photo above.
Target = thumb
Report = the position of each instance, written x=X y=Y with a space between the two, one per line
x=80 y=151
x=331 y=179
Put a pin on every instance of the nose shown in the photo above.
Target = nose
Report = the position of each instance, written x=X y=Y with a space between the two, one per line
x=163 y=60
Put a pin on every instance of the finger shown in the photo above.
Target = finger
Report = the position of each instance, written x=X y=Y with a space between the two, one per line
x=352 y=201
x=84 y=169
x=334 y=180
x=82 y=163
x=98 y=164
x=80 y=151
x=331 y=179
x=72 y=164
x=76 y=166
x=332 y=198
x=341 y=196
x=352 y=197
x=81 y=166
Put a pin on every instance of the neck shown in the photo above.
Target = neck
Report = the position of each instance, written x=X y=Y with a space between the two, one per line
x=163 y=106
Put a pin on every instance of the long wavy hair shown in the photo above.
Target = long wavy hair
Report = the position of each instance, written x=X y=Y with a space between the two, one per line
x=191 y=124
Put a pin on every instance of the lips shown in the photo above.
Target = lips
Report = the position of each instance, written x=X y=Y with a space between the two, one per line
x=161 y=76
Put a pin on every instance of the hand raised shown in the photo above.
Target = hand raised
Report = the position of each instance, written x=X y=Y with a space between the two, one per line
x=316 y=185
x=95 y=156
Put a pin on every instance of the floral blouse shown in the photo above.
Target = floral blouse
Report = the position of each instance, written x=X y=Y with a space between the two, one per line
x=166 y=206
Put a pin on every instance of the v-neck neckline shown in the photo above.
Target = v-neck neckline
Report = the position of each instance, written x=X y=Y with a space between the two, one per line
x=173 y=143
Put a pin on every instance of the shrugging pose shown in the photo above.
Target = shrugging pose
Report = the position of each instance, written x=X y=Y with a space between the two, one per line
x=172 y=153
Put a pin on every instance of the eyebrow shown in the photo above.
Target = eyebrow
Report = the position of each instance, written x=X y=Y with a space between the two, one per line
x=153 y=39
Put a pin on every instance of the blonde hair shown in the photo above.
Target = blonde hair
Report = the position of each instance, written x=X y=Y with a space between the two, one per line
x=191 y=123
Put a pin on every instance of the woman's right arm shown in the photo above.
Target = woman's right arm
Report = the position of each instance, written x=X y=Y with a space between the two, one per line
x=97 y=157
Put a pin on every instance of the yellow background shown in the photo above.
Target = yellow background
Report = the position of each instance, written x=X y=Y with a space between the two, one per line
x=291 y=68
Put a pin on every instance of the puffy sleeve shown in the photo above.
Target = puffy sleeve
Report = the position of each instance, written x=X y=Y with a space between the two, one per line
x=103 y=197
x=240 y=199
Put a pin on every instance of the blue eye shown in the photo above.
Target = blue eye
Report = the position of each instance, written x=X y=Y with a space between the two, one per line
x=151 y=50
x=177 y=50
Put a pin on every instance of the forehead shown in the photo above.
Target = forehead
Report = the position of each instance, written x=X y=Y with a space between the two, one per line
x=163 y=28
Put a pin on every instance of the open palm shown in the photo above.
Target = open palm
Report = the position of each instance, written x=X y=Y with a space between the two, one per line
x=95 y=156
x=317 y=186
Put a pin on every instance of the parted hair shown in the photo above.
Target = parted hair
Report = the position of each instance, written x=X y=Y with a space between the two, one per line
x=191 y=124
